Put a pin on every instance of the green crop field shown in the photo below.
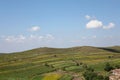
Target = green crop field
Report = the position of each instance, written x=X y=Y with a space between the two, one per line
x=57 y=63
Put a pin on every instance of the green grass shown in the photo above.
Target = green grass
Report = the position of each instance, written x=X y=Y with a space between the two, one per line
x=30 y=65
x=66 y=77
x=37 y=78
x=74 y=68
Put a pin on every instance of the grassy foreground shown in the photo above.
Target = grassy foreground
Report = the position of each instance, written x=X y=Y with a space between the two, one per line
x=56 y=64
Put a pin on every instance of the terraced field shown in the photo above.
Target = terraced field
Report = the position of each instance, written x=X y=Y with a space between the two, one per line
x=56 y=64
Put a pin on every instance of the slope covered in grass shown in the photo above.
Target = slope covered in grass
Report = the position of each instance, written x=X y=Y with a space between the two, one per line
x=42 y=63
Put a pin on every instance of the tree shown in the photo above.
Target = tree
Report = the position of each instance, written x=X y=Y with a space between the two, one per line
x=108 y=67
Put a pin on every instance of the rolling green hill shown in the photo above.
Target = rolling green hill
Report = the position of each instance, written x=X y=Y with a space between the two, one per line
x=56 y=63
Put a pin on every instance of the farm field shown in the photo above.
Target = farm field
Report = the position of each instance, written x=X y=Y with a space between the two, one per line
x=57 y=63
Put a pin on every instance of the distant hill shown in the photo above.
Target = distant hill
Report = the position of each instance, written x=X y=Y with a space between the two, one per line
x=87 y=49
x=2 y=53
x=83 y=49
x=115 y=49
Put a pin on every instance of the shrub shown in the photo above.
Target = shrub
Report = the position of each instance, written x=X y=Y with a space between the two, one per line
x=108 y=67
x=117 y=66
x=89 y=74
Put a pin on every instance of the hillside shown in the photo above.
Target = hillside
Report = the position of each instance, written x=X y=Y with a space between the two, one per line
x=115 y=49
x=56 y=63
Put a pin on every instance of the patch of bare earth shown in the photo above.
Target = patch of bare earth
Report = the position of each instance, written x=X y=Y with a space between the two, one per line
x=115 y=74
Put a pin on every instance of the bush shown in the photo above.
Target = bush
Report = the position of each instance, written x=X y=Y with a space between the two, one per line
x=84 y=66
x=106 y=78
x=89 y=74
x=90 y=69
x=117 y=66
x=108 y=67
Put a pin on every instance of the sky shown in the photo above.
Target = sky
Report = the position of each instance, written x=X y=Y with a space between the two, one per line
x=28 y=24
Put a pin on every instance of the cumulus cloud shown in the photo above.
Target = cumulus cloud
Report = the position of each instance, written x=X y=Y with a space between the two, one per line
x=34 y=28
x=94 y=24
x=109 y=26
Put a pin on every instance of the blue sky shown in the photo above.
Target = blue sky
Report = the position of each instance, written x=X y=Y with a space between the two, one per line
x=27 y=24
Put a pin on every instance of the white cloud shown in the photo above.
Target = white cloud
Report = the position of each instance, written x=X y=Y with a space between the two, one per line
x=34 y=28
x=49 y=37
x=84 y=37
x=110 y=25
x=19 y=38
x=94 y=36
x=30 y=38
x=10 y=38
x=90 y=17
x=75 y=41
x=87 y=17
x=94 y=24
x=40 y=37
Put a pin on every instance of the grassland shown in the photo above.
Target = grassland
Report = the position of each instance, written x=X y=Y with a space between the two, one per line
x=56 y=64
